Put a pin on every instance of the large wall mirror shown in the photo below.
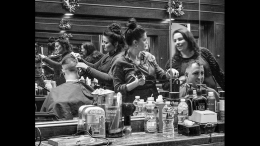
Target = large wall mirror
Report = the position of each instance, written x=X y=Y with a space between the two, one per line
x=205 y=19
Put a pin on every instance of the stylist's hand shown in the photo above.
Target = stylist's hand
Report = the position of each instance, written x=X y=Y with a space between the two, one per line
x=140 y=81
x=82 y=65
x=42 y=56
x=173 y=73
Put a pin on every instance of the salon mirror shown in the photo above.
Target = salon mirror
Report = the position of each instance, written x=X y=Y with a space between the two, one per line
x=205 y=19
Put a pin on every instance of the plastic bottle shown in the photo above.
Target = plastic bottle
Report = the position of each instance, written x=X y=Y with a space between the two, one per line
x=137 y=99
x=211 y=104
x=150 y=125
x=182 y=111
x=48 y=85
x=159 y=105
x=175 y=112
x=150 y=99
x=194 y=94
x=199 y=103
x=222 y=106
x=168 y=117
x=36 y=89
x=141 y=107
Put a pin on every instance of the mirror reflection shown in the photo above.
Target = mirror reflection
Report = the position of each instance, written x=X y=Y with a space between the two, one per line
x=141 y=56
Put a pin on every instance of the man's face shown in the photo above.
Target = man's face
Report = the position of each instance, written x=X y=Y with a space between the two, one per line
x=195 y=74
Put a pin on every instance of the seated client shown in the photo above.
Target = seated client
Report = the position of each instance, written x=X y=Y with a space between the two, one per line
x=65 y=100
x=194 y=74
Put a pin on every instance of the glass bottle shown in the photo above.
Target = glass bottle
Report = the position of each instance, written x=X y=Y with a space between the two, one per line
x=188 y=99
x=199 y=103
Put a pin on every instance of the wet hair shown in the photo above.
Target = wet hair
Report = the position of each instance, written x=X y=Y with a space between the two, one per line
x=187 y=36
x=64 y=44
x=69 y=63
x=114 y=33
x=133 y=32
x=89 y=46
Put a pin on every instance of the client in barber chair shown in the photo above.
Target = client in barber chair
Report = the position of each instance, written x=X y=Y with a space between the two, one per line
x=65 y=100
x=194 y=75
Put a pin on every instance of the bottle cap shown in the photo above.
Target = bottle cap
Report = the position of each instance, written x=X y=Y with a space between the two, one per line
x=182 y=99
x=210 y=93
x=159 y=99
x=137 y=97
x=150 y=99
x=167 y=102
x=198 y=92
x=221 y=93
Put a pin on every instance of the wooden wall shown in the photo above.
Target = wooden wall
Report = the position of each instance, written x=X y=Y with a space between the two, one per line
x=93 y=16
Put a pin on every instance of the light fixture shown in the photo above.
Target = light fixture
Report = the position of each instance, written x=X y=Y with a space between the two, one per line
x=68 y=14
x=167 y=20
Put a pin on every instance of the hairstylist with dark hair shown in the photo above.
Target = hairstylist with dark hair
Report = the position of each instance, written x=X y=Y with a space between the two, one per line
x=89 y=52
x=114 y=44
x=132 y=76
x=186 y=50
x=62 y=48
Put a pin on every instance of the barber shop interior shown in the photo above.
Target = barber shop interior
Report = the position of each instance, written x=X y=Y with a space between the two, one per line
x=129 y=72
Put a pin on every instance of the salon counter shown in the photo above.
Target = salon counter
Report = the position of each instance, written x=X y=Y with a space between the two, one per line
x=156 y=139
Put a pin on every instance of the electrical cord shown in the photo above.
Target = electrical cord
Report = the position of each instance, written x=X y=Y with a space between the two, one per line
x=38 y=130
x=92 y=136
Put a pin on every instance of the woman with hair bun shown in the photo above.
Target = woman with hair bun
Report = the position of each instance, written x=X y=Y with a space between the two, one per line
x=63 y=50
x=134 y=76
x=114 y=44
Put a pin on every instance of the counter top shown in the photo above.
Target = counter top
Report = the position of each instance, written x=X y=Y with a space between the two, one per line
x=156 y=139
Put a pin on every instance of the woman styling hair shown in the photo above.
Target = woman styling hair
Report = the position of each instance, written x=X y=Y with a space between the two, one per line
x=132 y=76
x=186 y=49
x=62 y=48
x=114 y=43
x=90 y=54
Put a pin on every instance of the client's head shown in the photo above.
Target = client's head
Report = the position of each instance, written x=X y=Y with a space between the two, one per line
x=69 y=67
x=194 y=73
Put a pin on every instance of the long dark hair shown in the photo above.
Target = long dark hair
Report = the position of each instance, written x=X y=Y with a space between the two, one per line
x=133 y=32
x=192 y=45
x=65 y=45
x=114 y=33
x=89 y=46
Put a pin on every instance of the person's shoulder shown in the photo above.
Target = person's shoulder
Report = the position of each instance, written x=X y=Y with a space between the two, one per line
x=204 y=50
x=148 y=55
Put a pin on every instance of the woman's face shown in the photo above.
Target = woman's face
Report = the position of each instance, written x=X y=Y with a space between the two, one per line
x=83 y=50
x=58 y=48
x=142 y=43
x=180 y=43
x=108 y=46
